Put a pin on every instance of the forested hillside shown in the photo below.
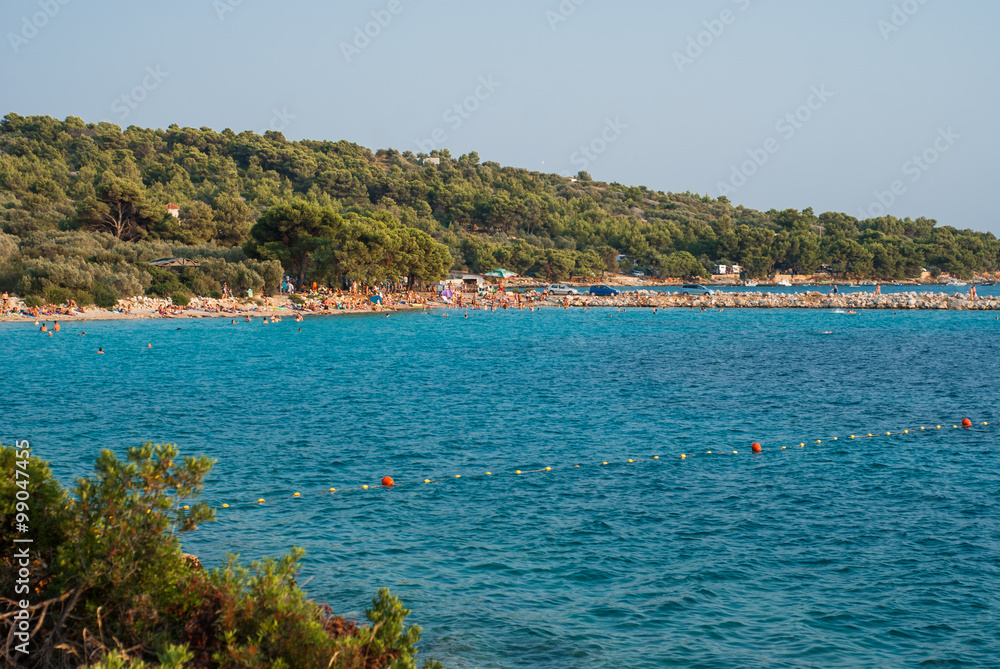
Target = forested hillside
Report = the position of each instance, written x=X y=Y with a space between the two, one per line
x=85 y=206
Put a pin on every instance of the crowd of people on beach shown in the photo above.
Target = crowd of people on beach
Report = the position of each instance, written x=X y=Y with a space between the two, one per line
x=315 y=298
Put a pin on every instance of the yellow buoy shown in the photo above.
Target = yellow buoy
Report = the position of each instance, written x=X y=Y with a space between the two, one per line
x=906 y=431
x=260 y=501
x=819 y=441
x=364 y=487
x=801 y=445
x=427 y=480
x=852 y=436
x=835 y=438
x=185 y=507
x=683 y=456
x=489 y=473
x=225 y=506
x=517 y=471
x=657 y=457
x=939 y=427
x=548 y=469
x=783 y=447
x=736 y=452
x=604 y=463
x=888 y=433
x=458 y=476
x=709 y=452
x=296 y=495
x=869 y=434
x=630 y=459
x=333 y=490
x=576 y=465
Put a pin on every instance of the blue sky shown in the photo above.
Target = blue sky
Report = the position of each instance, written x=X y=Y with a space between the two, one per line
x=855 y=106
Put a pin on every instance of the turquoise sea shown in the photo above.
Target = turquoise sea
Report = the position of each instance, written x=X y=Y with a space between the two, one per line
x=871 y=552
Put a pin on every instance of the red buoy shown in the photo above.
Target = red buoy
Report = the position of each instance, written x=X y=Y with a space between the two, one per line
x=966 y=422
x=387 y=481
x=755 y=447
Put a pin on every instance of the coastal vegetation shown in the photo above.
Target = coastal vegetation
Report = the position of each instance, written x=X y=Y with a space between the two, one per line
x=110 y=588
x=85 y=207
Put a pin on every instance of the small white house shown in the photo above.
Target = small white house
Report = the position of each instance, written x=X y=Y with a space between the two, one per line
x=721 y=269
x=432 y=160
x=173 y=210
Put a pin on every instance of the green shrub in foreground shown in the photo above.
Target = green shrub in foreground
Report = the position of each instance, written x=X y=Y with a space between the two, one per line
x=180 y=299
x=112 y=589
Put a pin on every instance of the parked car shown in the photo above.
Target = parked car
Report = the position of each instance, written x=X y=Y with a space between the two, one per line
x=602 y=290
x=561 y=289
x=696 y=289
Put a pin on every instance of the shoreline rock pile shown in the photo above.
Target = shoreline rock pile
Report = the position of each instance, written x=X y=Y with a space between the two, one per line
x=808 y=300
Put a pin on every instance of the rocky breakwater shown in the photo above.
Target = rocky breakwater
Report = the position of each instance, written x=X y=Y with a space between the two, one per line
x=805 y=300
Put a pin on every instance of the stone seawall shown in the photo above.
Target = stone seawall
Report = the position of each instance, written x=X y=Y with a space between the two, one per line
x=809 y=300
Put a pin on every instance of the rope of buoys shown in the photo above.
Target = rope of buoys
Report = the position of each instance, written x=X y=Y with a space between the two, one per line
x=755 y=448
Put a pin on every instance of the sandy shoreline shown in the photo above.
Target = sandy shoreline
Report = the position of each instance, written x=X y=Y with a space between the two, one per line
x=282 y=307
x=157 y=308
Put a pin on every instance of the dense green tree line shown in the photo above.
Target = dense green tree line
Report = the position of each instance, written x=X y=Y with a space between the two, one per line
x=61 y=177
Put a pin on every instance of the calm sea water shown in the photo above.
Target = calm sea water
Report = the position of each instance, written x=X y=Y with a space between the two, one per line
x=849 y=553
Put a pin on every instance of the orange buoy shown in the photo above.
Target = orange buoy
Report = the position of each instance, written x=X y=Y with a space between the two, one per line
x=755 y=447
x=966 y=422
x=387 y=481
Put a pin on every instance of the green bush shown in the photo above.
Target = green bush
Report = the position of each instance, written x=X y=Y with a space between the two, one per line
x=56 y=295
x=33 y=301
x=214 y=294
x=163 y=281
x=117 y=590
x=82 y=298
x=297 y=299
x=181 y=299
x=201 y=284
x=105 y=296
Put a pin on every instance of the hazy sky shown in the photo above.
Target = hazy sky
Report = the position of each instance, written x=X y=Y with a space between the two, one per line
x=857 y=106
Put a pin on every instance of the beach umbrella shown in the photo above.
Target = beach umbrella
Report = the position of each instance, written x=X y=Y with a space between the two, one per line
x=501 y=273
